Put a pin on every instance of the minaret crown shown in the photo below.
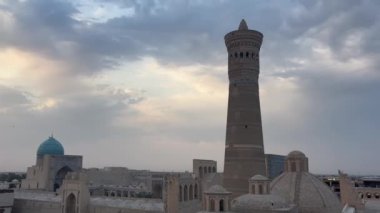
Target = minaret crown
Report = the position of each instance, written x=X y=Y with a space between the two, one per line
x=243 y=25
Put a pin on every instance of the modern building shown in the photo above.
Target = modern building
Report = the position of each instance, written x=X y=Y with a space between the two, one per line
x=275 y=165
x=244 y=151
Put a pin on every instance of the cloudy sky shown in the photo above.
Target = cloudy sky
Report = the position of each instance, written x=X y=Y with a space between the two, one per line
x=143 y=83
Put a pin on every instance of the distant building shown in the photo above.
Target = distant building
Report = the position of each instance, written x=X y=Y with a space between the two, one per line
x=362 y=198
x=275 y=165
x=51 y=167
x=6 y=200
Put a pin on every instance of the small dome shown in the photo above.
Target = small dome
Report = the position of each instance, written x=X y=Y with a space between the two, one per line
x=252 y=202
x=296 y=154
x=258 y=178
x=217 y=189
x=50 y=147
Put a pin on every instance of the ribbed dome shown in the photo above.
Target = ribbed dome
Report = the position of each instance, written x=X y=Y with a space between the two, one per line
x=50 y=147
x=307 y=192
x=254 y=202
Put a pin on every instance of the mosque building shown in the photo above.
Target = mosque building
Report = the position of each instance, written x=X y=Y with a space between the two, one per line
x=57 y=183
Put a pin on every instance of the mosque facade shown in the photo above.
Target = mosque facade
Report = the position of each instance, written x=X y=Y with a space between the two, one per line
x=57 y=183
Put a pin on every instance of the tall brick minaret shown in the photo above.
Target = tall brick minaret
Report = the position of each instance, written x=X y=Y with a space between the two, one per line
x=244 y=153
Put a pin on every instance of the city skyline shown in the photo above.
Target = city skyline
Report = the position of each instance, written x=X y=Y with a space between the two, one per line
x=143 y=84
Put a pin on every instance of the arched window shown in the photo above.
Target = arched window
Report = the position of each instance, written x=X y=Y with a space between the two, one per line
x=253 y=189
x=200 y=172
x=241 y=54
x=293 y=167
x=214 y=169
x=369 y=195
x=361 y=195
x=70 y=204
x=180 y=193
x=209 y=169
x=195 y=191
x=191 y=192
x=185 y=193
x=204 y=170
x=212 y=205
x=236 y=55
x=247 y=54
x=59 y=176
x=112 y=194
x=377 y=195
x=260 y=189
x=221 y=205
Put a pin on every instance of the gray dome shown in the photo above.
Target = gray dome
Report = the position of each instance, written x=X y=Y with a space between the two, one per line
x=296 y=154
x=258 y=178
x=217 y=189
x=251 y=202
x=307 y=192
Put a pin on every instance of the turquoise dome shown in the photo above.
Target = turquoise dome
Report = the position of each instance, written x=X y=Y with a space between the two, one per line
x=50 y=147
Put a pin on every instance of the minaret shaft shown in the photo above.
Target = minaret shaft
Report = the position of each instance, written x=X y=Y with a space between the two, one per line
x=244 y=152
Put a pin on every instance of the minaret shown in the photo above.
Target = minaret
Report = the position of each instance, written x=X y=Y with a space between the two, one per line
x=244 y=153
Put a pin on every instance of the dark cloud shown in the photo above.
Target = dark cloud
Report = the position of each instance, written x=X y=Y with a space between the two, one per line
x=12 y=98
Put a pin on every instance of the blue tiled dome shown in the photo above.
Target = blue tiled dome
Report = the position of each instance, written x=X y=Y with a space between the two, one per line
x=50 y=147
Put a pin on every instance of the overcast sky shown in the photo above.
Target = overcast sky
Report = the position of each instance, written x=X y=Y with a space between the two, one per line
x=143 y=83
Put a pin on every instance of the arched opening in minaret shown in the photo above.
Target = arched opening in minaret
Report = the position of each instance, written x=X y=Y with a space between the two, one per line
x=70 y=204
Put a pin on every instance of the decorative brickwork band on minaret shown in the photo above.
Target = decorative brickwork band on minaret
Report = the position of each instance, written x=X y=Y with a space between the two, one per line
x=244 y=153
